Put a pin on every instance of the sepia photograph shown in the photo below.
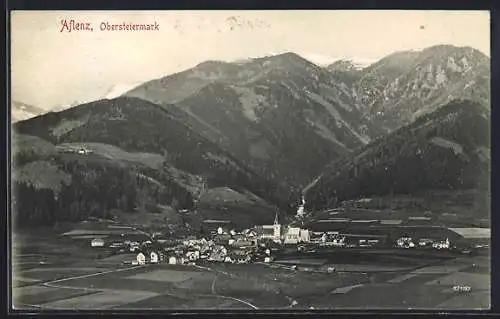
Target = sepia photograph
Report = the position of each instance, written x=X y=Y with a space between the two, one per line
x=250 y=160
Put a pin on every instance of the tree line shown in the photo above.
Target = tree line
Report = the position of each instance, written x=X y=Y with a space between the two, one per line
x=96 y=189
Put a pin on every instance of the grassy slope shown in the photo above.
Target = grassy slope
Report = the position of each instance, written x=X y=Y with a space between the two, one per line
x=136 y=125
x=44 y=166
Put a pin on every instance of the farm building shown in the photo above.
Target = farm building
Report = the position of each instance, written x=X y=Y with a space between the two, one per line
x=268 y=259
x=83 y=151
x=154 y=257
x=141 y=258
x=97 y=242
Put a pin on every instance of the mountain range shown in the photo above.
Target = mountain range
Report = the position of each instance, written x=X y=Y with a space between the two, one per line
x=257 y=132
x=446 y=149
x=270 y=111
x=22 y=111
x=402 y=86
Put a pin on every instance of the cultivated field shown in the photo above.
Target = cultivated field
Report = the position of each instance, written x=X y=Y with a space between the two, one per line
x=258 y=286
x=372 y=280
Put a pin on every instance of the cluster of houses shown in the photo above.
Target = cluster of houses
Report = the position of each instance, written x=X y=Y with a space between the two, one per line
x=121 y=246
x=408 y=242
x=192 y=250
x=347 y=240
x=258 y=244
x=77 y=150
x=249 y=245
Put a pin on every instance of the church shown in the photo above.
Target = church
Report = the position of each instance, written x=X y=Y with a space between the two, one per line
x=272 y=232
x=280 y=234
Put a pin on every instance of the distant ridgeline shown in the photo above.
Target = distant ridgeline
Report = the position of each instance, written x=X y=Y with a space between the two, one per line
x=258 y=132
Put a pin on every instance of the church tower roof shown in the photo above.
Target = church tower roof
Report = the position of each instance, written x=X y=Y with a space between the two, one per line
x=276 y=222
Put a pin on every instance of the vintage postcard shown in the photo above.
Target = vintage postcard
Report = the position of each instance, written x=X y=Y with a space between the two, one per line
x=293 y=160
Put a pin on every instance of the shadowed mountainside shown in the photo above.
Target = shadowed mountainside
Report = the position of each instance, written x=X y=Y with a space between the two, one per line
x=447 y=149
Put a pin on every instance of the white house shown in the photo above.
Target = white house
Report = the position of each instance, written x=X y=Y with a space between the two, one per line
x=324 y=238
x=339 y=241
x=141 y=258
x=268 y=259
x=97 y=242
x=445 y=244
x=372 y=242
x=405 y=242
x=193 y=255
x=292 y=236
x=305 y=236
x=154 y=258
x=83 y=151
x=172 y=260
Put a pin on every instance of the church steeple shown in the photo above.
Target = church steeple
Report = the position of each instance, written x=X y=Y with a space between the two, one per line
x=277 y=229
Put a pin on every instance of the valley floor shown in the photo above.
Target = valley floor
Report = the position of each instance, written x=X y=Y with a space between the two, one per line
x=80 y=280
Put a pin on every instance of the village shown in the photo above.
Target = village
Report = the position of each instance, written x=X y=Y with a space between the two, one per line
x=285 y=262
x=261 y=243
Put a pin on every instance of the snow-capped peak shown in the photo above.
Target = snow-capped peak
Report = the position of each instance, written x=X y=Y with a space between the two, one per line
x=357 y=63
x=119 y=89
x=319 y=59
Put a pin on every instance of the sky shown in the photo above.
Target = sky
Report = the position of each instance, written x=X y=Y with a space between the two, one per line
x=50 y=68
